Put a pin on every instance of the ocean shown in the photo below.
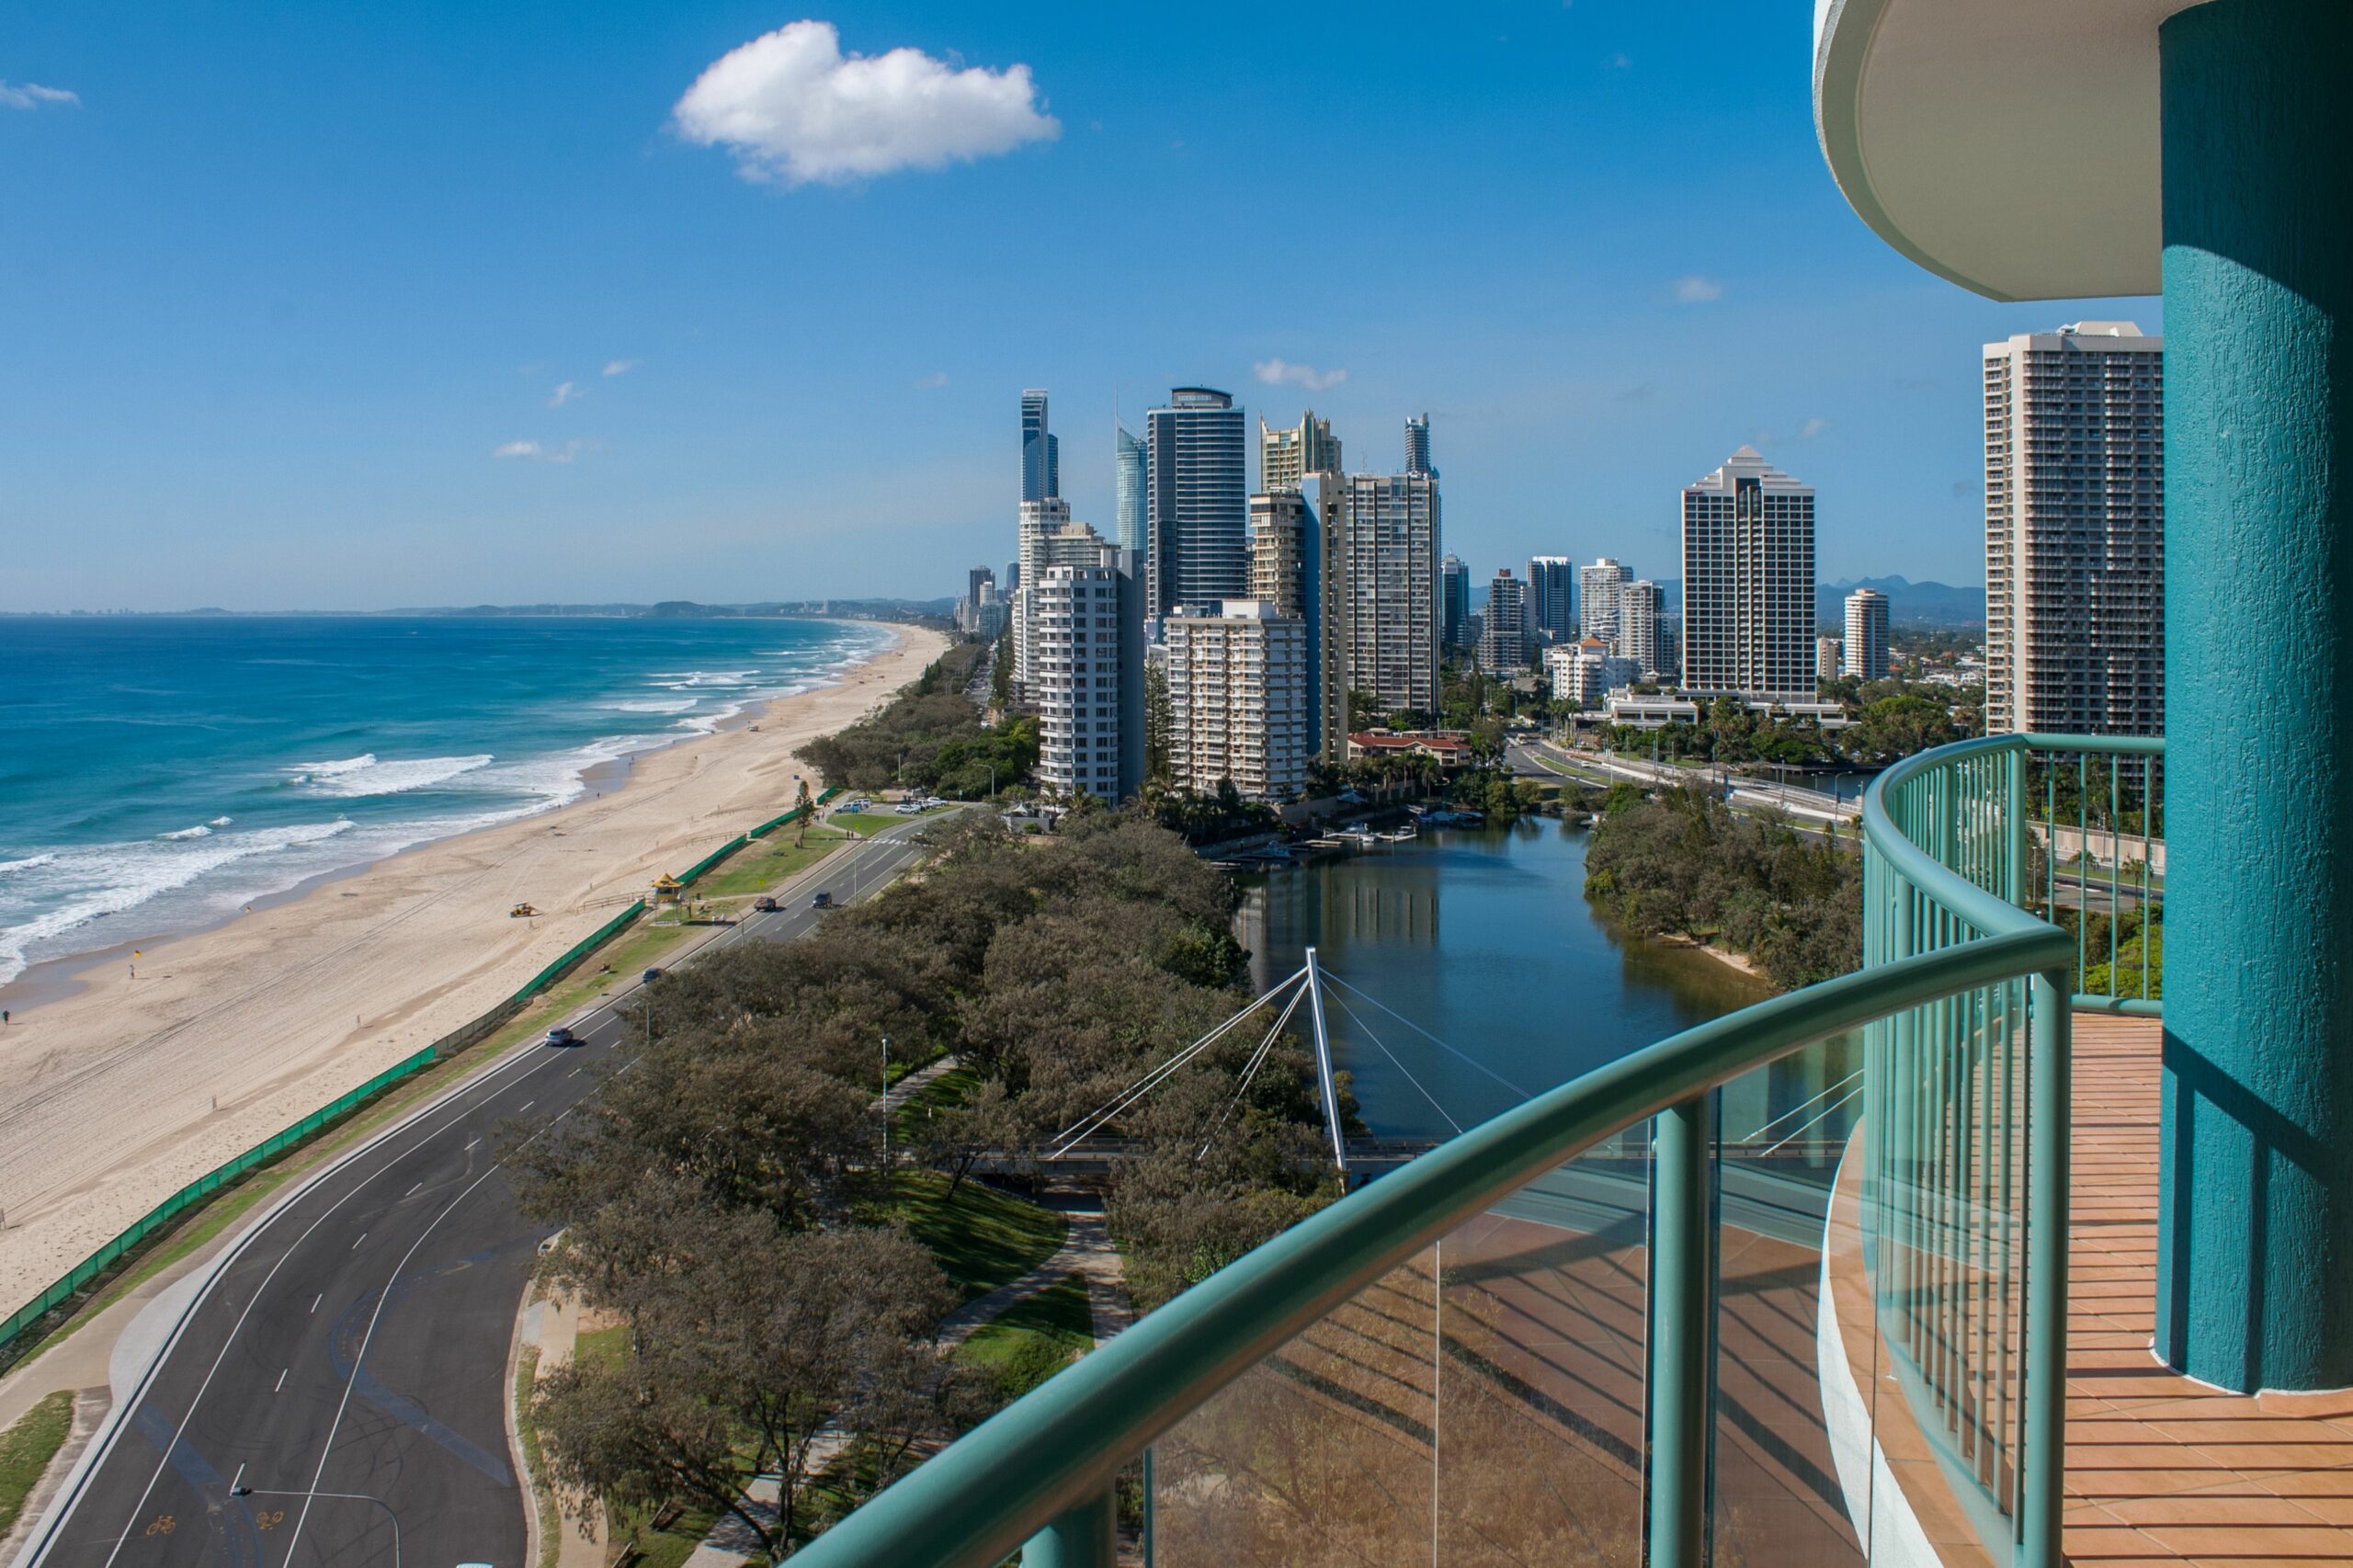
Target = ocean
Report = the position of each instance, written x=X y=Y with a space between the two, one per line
x=159 y=773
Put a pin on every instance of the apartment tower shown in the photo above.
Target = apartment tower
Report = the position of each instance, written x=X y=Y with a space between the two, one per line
x=1503 y=636
x=1640 y=614
x=1454 y=595
x=1864 y=650
x=1277 y=551
x=1041 y=477
x=1237 y=699
x=1375 y=542
x=1748 y=583
x=2075 y=531
x=1128 y=483
x=1286 y=457
x=1552 y=615
x=1196 y=501
x=1597 y=605
x=1086 y=675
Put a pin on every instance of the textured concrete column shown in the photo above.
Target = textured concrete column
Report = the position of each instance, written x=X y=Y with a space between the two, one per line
x=2254 y=1256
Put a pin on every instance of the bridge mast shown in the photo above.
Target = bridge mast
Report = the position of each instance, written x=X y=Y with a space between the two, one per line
x=1323 y=1065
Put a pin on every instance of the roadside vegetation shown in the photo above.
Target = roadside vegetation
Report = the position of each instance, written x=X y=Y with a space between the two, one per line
x=26 y=1450
x=930 y=737
x=1684 y=865
x=783 y=1288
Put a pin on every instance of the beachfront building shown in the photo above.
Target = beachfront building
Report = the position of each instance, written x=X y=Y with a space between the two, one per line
x=1196 y=501
x=1038 y=520
x=1086 y=676
x=1748 y=582
x=1454 y=595
x=1377 y=544
x=1279 y=551
x=1237 y=699
x=1286 y=457
x=1587 y=671
x=1552 y=614
x=1866 y=643
x=1041 y=459
x=2075 y=531
x=1597 y=585
x=1503 y=640
x=1826 y=655
x=1641 y=616
x=1128 y=490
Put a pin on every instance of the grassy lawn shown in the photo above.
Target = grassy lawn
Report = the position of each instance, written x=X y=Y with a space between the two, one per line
x=945 y=1092
x=981 y=1239
x=602 y=1346
x=26 y=1449
x=870 y=822
x=765 y=863
x=1032 y=1339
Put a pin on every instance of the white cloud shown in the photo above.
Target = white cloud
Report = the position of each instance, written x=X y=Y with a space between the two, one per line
x=936 y=379
x=792 y=107
x=1697 y=290
x=1277 y=372
x=564 y=393
x=33 y=95
x=1818 y=425
x=532 y=451
x=619 y=367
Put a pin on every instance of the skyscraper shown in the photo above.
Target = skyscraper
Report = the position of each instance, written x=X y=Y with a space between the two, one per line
x=1128 y=481
x=1039 y=519
x=1237 y=699
x=1286 y=457
x=1454 y=592
x=1375 y=541
x=1196 y=548
x=1087 y=684
x=2075 y=531
x=1748 y=582
x=1639 y=607
x=1278 y=553
x=1598 y=587
x=1551 y=617
x=1865 y=651
x=1503 y=636
x=1040 y=462
x=1417 y=445
x=973 y=580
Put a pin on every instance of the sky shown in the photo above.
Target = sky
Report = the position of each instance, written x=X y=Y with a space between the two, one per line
x=356 y=307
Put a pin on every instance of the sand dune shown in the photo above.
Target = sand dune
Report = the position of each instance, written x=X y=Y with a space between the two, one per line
x=106 y=1095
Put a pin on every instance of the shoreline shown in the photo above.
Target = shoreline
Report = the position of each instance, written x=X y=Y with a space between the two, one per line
x=54 y=980
x=117 y=1092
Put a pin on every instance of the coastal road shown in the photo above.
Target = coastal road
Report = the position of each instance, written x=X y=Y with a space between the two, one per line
x=336 y=1393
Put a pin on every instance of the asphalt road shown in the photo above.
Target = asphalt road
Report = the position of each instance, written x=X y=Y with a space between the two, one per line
x=346 y=1367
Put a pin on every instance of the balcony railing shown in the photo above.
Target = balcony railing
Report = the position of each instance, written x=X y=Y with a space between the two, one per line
x=1589 y=1330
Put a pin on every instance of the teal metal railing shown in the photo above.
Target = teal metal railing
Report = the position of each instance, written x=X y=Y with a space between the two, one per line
x=1589 y=1329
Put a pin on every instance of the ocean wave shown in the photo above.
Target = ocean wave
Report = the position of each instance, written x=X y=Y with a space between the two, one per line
x=397 y=778
x=27 y=864
x=311 y=771
x=202 y=830
x=653 y=705
x=696 y=680
x=220 y=822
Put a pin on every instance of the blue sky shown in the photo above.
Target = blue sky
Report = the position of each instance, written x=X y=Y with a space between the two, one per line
x=283 y=281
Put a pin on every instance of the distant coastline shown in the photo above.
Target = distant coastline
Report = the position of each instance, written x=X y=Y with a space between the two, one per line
x=915 y=612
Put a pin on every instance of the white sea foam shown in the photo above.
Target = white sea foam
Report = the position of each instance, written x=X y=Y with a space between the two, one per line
x=200 y=830
x=220 y=822
x=334 y=769
x=397 y=777
x=696 y=680
x=654 y=705
x=27 y=864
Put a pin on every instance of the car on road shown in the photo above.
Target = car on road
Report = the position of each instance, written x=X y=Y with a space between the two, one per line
x=765 y=903
x=823 y=900
x=561 y=1035
x=650 y=976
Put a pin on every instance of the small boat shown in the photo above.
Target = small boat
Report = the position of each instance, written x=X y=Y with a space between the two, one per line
x=1404 y=835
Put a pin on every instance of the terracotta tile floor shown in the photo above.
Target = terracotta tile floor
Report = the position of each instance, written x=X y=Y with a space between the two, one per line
x=2160 y=1469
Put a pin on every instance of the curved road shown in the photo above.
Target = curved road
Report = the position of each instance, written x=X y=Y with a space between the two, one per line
x=336 y=1393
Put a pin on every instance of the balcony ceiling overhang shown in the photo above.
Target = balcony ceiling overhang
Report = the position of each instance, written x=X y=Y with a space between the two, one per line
x=2010 y=146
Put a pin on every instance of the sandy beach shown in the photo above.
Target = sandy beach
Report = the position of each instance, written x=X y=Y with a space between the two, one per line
x=106 y=1095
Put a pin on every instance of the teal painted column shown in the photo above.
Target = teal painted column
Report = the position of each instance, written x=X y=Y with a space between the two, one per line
x=2255 y=1255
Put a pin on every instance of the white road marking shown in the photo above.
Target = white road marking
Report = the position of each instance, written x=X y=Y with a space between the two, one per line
x=412 y=1191
x=281 y=1379
x=235 y=1478
x=524 y=1106
x=363 y=1236
x=315 y=1301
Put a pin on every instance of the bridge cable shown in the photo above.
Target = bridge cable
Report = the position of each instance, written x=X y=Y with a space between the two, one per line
x=1250 y=1072
x=1384 y=1050
x=1152 y=1080
x=1426 y=1034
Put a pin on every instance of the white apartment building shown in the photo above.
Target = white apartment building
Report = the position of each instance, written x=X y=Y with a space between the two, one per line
x=1865 y=650
x=1087 y=679
x=1237 y=699
x=1038 y=519
x=1278 y=550
x=2075 y=531
x=1586 y=671
x=1597 y=605
x=1286 y=457
x=1826 y=654
x=1639 y=607
x=1748 y=583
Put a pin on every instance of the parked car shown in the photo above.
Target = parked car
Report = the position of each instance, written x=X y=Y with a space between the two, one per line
x=561 y=1035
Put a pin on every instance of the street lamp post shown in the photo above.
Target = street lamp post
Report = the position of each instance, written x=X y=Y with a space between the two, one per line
x=886 y=1103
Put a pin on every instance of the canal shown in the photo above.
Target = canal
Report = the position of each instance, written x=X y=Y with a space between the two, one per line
x=1483 y=937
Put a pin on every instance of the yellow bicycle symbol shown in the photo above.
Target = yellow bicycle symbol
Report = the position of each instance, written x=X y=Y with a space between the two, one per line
x=162 y=1524
x=269 y=1518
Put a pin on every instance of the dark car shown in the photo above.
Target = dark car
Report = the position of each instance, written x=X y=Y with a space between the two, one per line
x=765 y=903
x=650 y=976
x=561 y=1035
x=823 y=900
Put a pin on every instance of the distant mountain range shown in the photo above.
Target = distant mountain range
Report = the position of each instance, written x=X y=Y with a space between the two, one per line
x=1937 y=605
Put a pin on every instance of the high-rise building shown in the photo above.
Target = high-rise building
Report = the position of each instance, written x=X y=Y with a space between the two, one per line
x=1277 y=551
x=1551 y=617
x=1826 y=652
x=1375 y=541
x=1128 y=483
x=1237 y=699
x=1454 y=595
x=1286 y=457
x=1039 y=519
x=1417 y=445
x=1503 y=640
x=1641 y=606
x=1087 y=676
x=1040 y=462
x=1865 y=644
x=1197 y=547
x=974 y=580
x=1748 y=583
x=1586 y=671
x=1598 y=587
x=2075 y=531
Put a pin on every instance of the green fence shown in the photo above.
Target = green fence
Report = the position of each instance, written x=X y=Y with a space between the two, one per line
x=774 y=823
x=93 y=1267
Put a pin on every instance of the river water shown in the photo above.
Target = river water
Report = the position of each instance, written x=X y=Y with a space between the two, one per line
x=1483 y=937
